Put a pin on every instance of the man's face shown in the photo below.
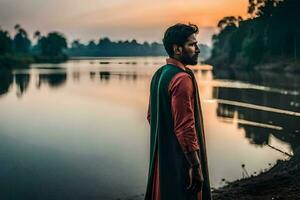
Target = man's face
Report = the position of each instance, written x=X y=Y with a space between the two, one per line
x=190 y=51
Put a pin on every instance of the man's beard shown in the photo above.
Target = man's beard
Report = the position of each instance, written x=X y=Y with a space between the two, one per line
x=186 y=59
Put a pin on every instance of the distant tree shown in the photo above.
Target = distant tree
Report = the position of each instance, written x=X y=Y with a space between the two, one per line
x=17 y=27
x=271 y=34
x=265 y=8
x=76 y=44
x=134 y=42
x=104 y=42
x=107 y=47
x=21 y=42
x=5 y=42
x=146 y=44
x=36 y=49
x=37 y=35
x=230 y=21
x=92 y=44
x=53 y=44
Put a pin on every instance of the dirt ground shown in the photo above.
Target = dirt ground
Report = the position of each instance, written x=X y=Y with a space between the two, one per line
x=281 y=182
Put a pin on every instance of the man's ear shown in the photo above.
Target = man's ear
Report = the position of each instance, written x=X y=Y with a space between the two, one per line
x=177 y=49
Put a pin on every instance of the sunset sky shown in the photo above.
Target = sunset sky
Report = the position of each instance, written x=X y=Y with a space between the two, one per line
x=117 y=19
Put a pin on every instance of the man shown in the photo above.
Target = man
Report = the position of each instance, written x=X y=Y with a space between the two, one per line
x=178 y=165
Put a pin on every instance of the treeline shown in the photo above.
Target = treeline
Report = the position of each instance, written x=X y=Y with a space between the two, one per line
x=268 y=39
x=18 y=51
x=106 y=47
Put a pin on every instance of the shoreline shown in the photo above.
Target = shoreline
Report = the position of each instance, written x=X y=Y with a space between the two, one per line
x=285 y=66
x=282 y=182
x=9 y=61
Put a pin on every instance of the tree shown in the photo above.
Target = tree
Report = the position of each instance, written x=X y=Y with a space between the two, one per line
x=92 y=44
x=53 y=44
x=229 y=21
x=5 y=42
x=37 y=35
x=272 y=34
x=21 y=42
x=263 y=8
x=17 y=27
x=104 y=42
x=76 y=44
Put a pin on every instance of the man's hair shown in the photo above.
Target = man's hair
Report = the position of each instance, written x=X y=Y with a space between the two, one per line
x=178 y=34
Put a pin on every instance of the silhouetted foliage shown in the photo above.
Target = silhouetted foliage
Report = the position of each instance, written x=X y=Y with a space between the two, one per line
x=261 y=8
x=5 y=42
x=53 y=48
x=52 y=44
x=6 y=79
x=21 y=42
x=270 y=35
x=106 y=47
x=18 y=52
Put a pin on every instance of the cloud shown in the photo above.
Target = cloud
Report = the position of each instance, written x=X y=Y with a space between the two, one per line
x=144 y=20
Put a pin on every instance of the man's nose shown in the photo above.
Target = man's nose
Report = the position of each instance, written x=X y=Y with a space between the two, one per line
x=197 y=49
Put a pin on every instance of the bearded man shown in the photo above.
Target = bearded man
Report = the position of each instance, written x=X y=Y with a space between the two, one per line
x=178 y=168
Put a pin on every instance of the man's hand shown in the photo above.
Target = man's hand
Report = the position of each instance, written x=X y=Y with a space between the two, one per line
x=195 y=175
x=195 y=179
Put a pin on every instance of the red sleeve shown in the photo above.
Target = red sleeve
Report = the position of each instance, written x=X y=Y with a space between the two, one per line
x=182 y=100
x=148 y=113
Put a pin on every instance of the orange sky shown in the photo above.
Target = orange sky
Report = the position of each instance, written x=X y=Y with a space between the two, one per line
x=118 y=19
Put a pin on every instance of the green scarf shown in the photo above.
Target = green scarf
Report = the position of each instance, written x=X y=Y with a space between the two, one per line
x=173 y=166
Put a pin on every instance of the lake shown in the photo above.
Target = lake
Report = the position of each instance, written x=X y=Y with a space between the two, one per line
x=78 y=130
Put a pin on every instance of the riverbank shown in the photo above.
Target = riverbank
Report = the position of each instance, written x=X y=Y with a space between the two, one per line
x=275 y=65
x=281 y=182
x=280 y=66
x=9 y=61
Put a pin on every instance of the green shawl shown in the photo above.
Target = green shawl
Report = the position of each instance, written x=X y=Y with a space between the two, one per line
x=173 y=166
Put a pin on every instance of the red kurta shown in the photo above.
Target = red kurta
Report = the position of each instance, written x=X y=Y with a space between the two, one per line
x=182 y=103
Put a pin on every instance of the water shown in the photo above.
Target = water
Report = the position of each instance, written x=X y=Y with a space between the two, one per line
x=78 y=130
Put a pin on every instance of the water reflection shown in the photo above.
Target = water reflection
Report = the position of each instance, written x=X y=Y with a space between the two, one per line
x=92 y=124
x=263 y=78
x=6 y=80
x=104 y=75
x=261 y=113
x=22 y=81
x=76 y=76
x=54 y=80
